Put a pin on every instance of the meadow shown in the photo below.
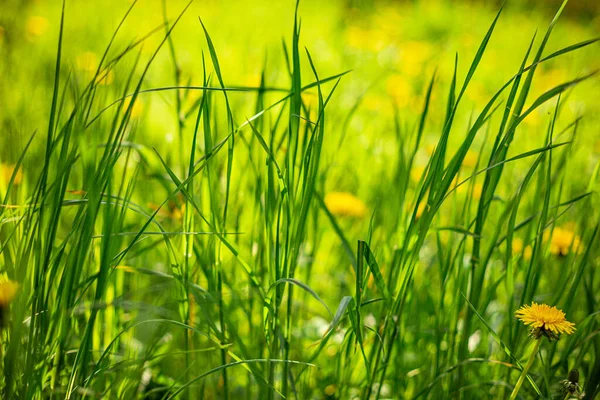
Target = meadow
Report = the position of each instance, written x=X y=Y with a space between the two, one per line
x=317 y=200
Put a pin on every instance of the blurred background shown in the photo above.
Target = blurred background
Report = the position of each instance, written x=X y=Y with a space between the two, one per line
x=392 y=48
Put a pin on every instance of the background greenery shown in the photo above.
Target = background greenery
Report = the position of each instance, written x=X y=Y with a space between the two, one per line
x=186 y=243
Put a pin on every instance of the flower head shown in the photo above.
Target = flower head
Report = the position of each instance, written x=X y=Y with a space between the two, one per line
x=519 y=247
x=562 y=240
x=36 y=26
x=545 y=321
x=345 y=204
x=570 y=386
x=6 y=172
x=8 y=290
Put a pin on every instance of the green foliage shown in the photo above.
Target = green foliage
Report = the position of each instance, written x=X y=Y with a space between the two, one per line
x=207 y=263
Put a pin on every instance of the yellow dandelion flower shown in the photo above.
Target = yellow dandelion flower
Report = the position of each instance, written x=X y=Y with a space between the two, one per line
x=416 y=173
x=345 y=204
x=8 y=290
x=36 y=26
x=125 y=268
x=517 y=248
x=87 y=61
x=105 y=78
x=470 y=159
x=430 y=148
x=421 y=209
x=545 y=321
x=413 y=57
x=400 y=89
x=477 y=190
x=138 y=107
x=6 y=171
x=366 y=39
x=562 y=240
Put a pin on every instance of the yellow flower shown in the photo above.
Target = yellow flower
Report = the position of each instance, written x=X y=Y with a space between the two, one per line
x=8 y=290
x=470 y=159
x=545 y=321
x=400 y=89
x=413 y=57
x=36 y=26
x=6 y=171
x=517 y=247
x=366 y=39
x=421 y=209
x=345 y=204
x=416 y=173
x=87 y=61
x=172 y=210
x=561 y=241
x=105 y=78
x=138 y=107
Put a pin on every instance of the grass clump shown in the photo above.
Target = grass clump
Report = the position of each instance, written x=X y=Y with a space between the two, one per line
x=258 y=251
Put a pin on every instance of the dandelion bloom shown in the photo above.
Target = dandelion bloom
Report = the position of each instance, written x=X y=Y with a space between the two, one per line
x=6 y=172
x=345 y=204
x=8 y=290
x=561 y=241
x=545 y=321
x=517 y=247
x=470 y=160
x=36 y=26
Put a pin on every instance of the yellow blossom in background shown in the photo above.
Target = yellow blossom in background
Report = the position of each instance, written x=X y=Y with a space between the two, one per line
x=253 y=80
x=125 y=268
x=548 y=79
x=377 y=103
x=430 y=148
x=470 y=160
x=138 y=107
x=421 y=209
x=545 y=320
x=345 y=204
x=2 y=31
x=478 y=93
x=105 y=78
x=36 y=26
x=477 y=190
x=87 y=61
x=416 y=173
x=400 y=89
x=366 y=39
x=414 y=55
x=8 y=290
x=171 y=210
x=534 y=119
x=6 y=171
x=562 y=240
x=517 y=247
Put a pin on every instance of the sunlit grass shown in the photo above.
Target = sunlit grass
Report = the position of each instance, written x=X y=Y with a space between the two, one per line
x=302 y=230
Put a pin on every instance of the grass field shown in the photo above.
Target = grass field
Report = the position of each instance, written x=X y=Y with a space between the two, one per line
x=322 y=200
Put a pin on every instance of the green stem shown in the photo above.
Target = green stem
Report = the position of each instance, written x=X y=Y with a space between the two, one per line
x=515 y=391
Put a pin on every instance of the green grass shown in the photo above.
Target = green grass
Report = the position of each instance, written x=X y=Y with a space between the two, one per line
x=172 y=234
